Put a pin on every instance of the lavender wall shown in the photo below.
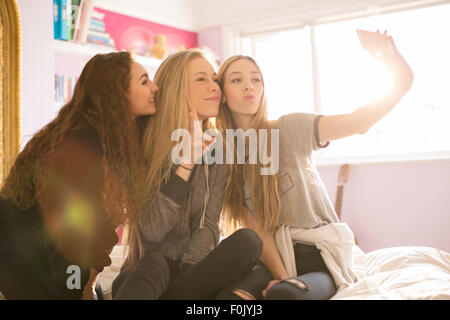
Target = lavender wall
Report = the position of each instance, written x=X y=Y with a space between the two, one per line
x=37 y=66
x=396 y=204
x=211 y=38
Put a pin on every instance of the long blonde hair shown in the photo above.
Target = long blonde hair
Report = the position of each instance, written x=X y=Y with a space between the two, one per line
x=172 y=105
x=264 y=188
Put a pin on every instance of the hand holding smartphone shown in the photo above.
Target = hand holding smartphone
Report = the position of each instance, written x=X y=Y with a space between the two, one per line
x=383 y=49
x=376 y=42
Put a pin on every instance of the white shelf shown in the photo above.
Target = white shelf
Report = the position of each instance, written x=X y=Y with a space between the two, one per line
x=88 y=50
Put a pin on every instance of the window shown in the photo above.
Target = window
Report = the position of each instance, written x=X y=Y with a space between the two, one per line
x=348 y=78
x=285 y=61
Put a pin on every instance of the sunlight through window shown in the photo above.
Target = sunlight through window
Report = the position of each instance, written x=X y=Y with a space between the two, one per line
x=285 y=61
x=348 y=78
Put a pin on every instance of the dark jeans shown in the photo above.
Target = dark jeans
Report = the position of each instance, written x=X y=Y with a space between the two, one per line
x=146 y=279
x=234 y=261
x=312 y=271
x=253 y=282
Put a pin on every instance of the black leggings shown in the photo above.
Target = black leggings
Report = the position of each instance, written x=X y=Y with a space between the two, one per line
x=233 y=264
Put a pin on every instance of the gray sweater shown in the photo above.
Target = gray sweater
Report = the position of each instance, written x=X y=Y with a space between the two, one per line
x=183 y=223
x=304 y=199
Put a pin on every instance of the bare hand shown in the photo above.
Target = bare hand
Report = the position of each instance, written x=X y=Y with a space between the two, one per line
x=270 y=285
x=391 y=57
x=89 y=293
x=198 y=138
x=298 y=283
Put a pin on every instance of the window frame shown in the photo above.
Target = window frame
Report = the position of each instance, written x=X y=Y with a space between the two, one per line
x=319 y=156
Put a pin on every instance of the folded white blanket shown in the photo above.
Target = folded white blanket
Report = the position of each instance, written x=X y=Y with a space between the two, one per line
x=336 y=243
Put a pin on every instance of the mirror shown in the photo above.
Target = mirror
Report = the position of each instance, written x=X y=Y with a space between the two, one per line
x=10 y=53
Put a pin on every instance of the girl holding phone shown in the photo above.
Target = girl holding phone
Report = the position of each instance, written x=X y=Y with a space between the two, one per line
x=293 y=204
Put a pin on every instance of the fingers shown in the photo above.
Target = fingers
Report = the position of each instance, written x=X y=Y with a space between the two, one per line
x=193 y=117
x=244 y=295
x=201 y=143
x=270 y=285
x=383 y=46
x=208 y=142
x=293 y=281
x=192 y=108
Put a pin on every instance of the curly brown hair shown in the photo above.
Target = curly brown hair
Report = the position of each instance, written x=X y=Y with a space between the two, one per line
x=99 y=102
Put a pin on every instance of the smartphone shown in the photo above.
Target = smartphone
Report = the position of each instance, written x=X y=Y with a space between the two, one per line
x=375 y=42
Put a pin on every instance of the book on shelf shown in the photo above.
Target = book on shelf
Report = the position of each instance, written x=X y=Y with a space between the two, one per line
x=64 y=87
x=71 y=19
x=60 y=19
x=72 y=11
x=78 y=21
x=86 y=9
x=96 y=32
x=64 y=17
x=97 y=25
x=98 y=37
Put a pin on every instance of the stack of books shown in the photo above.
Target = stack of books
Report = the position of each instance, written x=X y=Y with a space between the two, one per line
x=96 y=32
x=77 y=21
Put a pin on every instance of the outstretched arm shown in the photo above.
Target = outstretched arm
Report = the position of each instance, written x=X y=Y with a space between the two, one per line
x=339 y=126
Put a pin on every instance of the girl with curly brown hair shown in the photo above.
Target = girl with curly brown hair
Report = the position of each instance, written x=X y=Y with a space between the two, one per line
x=74 y=183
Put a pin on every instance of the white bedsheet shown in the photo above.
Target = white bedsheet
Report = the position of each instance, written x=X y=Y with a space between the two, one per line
x=396 y=273
x=402 y=273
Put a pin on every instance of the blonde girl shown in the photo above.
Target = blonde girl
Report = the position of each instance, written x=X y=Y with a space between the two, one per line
x=174 y=244
x=305 y=248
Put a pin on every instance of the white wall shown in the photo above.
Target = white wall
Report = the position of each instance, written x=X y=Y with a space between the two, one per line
x=267 y=13
x=235 y=17
x=37 y=66
x=175 y=13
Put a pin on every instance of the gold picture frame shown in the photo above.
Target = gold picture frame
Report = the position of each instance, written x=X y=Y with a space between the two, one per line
x=10 y=65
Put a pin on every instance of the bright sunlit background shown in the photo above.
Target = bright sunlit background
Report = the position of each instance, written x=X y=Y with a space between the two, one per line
x=347 y=77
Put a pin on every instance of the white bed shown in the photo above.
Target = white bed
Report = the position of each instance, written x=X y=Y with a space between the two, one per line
x=396 y=273
x=401 y=273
